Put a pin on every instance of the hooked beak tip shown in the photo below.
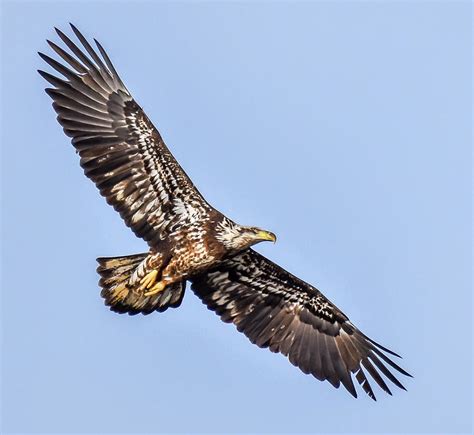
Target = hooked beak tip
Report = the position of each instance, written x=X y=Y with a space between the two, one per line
x=267 y=236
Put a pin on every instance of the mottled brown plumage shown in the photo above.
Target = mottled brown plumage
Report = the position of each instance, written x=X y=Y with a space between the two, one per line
x=124 y=155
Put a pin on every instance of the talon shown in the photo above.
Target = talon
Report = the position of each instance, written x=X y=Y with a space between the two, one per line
x=148 y=280
x=157 y=288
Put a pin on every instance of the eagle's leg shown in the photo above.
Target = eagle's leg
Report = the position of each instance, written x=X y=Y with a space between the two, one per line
x=148 y=280
x=147 y=273
x=169 y=275
x=158 y=287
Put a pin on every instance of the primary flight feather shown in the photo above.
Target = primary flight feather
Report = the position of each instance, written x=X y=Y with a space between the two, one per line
x=124 y=155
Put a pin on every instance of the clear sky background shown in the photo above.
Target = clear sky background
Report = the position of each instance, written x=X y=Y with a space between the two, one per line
x=344 y=127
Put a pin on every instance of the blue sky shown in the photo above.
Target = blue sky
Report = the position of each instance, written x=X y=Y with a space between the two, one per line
x=344 y=127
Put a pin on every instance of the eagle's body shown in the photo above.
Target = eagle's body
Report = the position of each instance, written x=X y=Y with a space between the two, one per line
x=188 y=240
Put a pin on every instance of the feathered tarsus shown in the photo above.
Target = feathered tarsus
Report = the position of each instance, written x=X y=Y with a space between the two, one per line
x=124 y=155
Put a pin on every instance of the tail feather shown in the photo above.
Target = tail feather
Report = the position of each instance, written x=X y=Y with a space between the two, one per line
x=120 y=297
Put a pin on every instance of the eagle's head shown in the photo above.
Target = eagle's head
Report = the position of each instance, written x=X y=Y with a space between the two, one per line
x=237 y=237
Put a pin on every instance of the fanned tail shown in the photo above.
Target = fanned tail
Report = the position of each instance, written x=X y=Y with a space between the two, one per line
x=115 y=273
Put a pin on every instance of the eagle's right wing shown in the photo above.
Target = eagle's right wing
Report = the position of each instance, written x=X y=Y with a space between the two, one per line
x=277 y=310
x=120 y=149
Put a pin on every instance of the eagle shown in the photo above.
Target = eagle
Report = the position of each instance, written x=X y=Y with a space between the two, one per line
x=189 y=240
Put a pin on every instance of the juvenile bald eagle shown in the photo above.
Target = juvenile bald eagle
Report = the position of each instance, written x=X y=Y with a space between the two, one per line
x=124 y=155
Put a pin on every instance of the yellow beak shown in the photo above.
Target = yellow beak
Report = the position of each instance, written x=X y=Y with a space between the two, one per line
x=266 y=235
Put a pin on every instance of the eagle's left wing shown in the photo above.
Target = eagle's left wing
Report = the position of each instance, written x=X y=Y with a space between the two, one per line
x=277 y=310
x=121 y=151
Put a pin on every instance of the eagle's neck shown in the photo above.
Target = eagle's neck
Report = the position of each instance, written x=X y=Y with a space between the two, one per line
x=233 y=236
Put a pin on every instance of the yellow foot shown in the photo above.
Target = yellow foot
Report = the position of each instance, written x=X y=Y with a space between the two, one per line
x=157 y=288
x=148 y=280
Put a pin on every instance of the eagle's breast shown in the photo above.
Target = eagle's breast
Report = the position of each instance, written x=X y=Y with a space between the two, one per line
x=194 y=247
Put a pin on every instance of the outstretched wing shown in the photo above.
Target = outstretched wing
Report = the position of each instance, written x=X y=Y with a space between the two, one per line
x=277 y=310
x=120 y=149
